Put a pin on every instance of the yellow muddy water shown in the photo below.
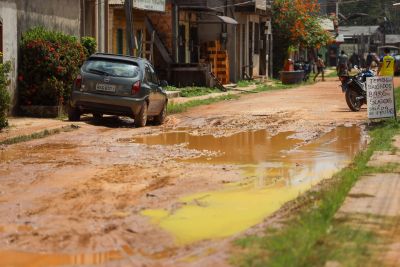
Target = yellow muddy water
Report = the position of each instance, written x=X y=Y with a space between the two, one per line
x=276 y=169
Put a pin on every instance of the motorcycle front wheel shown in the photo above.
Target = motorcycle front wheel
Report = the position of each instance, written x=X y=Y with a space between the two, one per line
x=352 y=101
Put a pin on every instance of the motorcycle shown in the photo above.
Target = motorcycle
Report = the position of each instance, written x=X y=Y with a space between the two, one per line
x=355 y=88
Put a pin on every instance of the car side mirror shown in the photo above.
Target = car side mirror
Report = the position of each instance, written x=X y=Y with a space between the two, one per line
x=163 y=83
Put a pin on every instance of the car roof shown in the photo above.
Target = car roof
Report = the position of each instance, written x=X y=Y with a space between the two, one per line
x=137 y=60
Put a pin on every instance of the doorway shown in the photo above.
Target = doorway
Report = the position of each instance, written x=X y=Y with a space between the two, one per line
x=251 y=46
x=194 y=45
x=182 y=43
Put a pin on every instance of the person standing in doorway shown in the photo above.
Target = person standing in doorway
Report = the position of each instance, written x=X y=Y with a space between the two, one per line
x=387 y=64
x=320 y=68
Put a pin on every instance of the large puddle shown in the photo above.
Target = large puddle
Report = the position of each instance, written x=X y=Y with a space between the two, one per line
x=276 y=169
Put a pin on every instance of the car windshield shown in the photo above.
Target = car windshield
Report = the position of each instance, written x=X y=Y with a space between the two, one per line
x=111 y=68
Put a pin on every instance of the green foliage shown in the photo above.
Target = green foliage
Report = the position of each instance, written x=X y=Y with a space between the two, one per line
x=295 y=23
x=49 y=65
x=89 y=44
x=40 y=33
x=4 y=95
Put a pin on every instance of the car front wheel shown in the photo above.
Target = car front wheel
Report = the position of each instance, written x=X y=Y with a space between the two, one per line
x=141 y=117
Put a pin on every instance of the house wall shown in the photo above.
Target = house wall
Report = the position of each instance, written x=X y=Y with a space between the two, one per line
x=60 y=15
x=160 y=20
x=18 y=16
x=8 y=17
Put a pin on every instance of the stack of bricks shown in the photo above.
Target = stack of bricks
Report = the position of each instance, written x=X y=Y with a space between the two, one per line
x=219 y=61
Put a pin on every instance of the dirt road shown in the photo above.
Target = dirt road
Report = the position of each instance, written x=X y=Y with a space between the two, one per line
x=111 y=194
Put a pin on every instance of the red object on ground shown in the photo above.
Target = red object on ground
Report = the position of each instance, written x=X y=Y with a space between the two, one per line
x=289 y=65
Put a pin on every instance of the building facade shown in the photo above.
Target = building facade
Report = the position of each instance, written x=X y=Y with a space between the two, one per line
x=225 y=37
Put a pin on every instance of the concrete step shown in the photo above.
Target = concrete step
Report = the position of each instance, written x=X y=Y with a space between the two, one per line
x=173 y=94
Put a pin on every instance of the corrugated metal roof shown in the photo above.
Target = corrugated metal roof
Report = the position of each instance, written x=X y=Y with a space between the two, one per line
x=393 y=38
x=349 y=31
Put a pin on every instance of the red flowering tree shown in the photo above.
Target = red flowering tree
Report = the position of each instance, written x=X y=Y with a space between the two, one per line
x=50 y=63
x=296 y=23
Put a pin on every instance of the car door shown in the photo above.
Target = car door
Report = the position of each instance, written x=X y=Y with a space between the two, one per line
x=152 y=88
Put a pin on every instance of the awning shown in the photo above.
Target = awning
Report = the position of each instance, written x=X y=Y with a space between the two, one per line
x=221 y=19
x=228 y=20
x=340 y=38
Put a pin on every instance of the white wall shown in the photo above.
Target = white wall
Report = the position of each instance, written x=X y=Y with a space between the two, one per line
x=8 y=15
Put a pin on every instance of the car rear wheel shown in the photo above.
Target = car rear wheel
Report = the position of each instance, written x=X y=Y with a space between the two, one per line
x=97 y=116
x=160 y=118
x=141 y=117
x=74 y=114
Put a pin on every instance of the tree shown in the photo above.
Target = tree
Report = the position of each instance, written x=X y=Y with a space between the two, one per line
x=296 y=23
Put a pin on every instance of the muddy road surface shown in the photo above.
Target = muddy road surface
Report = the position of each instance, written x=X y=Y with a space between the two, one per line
x=176 y=195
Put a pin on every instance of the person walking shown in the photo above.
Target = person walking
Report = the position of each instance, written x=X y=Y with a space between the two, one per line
x=320 y=68
x=387 y=65
x=355 y=60
x=342 y=68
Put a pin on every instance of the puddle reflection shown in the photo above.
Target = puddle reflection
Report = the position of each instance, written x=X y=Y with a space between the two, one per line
x=276 y=169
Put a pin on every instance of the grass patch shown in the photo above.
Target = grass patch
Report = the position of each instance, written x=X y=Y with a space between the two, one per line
x=194 y=91
x=346 y=245
x=182 y=107
x=278 y=85
x=311 y=237
x=332 y=74
x=39 y=135
x=245 y=83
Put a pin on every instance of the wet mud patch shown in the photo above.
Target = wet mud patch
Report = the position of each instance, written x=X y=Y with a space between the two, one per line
x=275 y=170
x=220 y=126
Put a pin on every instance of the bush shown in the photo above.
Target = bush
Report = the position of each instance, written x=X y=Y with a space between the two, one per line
x=49 y=65
x=89 y=44
x=4 y=95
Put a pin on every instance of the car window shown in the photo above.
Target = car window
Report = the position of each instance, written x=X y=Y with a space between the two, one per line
x=147 y=75
x=111 y=68
x=154 y=75
x=151 y=75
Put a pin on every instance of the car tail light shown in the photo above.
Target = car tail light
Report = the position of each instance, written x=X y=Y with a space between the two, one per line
x=136 y=87
x=78 y=82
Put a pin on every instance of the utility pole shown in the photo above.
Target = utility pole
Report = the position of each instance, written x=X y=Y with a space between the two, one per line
x=337 y=8
x=130 y=39
x=101 y=25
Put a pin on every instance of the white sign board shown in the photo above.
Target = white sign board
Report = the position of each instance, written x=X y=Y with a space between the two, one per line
x=380 y=97
x=261 y=4
x=153 y=5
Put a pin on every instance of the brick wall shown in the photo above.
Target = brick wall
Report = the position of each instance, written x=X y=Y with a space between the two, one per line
x=162 y=22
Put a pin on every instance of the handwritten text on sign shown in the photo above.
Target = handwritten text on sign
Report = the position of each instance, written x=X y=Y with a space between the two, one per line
x=380 y=98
